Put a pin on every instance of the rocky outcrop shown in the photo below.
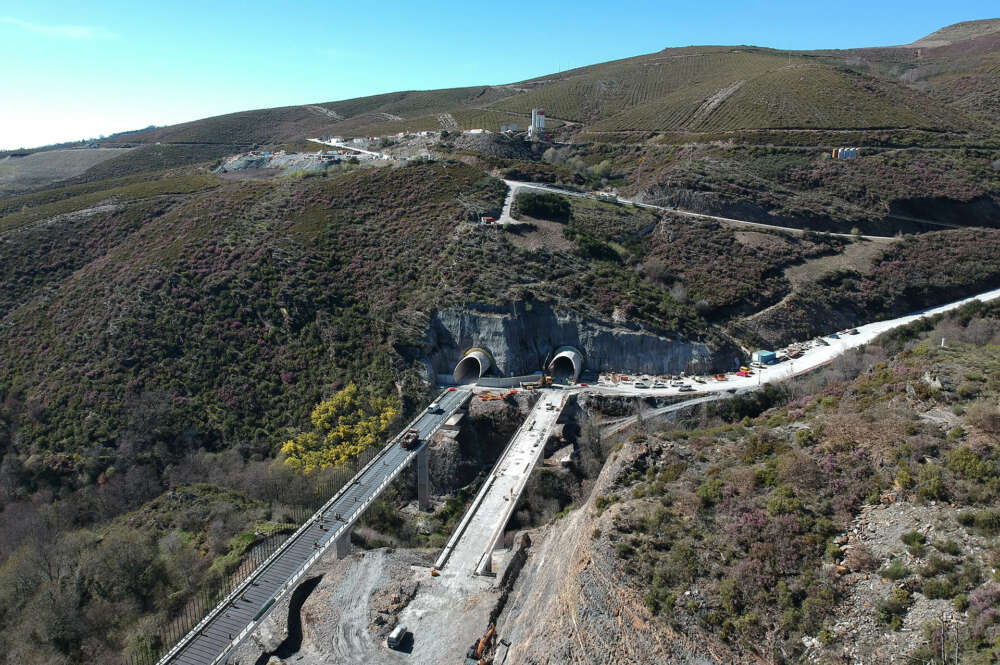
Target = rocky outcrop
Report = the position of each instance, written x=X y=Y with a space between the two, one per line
x=522 y=338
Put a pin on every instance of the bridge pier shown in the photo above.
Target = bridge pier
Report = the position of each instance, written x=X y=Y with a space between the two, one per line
x=344 y=544
x=423 y=479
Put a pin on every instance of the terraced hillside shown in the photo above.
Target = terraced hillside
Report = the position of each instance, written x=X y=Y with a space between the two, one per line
x=958 y=65
x=947 y=83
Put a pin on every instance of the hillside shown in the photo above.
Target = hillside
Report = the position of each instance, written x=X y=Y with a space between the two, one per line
x=165 y=322
x=959 y=32
x=852 y=514
x=945 y=83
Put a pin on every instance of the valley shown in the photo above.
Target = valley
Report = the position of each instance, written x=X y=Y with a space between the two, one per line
x=492 y=366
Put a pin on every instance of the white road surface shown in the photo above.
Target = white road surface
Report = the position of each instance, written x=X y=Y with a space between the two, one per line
x=813 y=357
x=504 y=486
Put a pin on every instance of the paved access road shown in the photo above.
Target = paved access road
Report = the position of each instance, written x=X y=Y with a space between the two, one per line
x=233 y=620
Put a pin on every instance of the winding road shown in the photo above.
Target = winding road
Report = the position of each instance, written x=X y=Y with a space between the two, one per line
x=514 y=185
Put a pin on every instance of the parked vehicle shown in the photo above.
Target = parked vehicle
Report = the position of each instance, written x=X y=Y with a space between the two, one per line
x=640 y=384
x=686 y=389
x=396 y=637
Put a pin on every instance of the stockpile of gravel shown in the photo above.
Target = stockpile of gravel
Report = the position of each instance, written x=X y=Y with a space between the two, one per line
x=494 y=145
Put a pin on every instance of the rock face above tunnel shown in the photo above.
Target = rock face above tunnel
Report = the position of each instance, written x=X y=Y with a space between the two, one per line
x=522 y=339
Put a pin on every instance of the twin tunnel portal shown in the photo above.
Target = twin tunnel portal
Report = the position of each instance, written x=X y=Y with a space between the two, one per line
x=565 y=364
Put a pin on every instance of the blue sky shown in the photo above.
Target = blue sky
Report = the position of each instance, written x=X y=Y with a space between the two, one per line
x=71 y=70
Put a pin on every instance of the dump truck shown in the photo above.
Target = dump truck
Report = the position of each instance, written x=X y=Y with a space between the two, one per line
x=410 y=439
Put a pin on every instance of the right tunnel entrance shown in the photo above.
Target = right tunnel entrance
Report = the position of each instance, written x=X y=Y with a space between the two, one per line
x=566 y=364
x=474 y=364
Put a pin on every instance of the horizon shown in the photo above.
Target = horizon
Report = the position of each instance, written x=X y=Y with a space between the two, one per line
x=83 y=74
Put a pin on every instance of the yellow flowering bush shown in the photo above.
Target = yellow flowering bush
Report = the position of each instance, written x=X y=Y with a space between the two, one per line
x=343 y=426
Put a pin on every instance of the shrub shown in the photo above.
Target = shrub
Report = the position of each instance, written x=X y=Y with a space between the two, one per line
x=604 y=501
x=710 y=492
x=987 y=521
x=806 y=438
x=544 y=206
x=984 y=416
x=961 y=602
x=938 y=588
x=947 y=547
x=891 y=611
x=931 y=484
x=343 y=426
x=969 y=465
x=783 y=501
x=935 y=566
x=966 y=518
x=895 y=570
x=860 y=559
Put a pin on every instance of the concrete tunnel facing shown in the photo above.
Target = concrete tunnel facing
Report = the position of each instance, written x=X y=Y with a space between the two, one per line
x=566 y=364
x=474 y=364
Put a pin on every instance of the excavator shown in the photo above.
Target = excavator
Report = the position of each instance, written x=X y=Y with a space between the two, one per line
x=476 y=655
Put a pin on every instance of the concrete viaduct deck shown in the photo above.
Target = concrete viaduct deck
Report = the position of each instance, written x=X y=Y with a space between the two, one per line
x=242 y=611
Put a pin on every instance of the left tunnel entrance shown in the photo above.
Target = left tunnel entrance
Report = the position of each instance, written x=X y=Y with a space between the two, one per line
x=474 y=364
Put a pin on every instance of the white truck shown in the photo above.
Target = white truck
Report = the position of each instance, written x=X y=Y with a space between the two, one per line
x=396 y=637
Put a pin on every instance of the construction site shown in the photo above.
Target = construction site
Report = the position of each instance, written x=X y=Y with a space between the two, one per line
x=527 y=452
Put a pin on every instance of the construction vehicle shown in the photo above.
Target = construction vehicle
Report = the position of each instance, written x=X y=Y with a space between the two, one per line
x=410 y=439
x=476 y=655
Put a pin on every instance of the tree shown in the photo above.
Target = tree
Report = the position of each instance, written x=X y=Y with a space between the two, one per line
x=343 y=426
